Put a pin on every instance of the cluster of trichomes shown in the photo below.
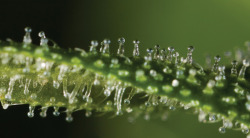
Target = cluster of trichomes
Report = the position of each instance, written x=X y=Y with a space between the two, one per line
x=48 y=76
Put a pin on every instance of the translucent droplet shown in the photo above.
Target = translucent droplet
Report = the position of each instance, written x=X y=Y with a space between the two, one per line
x=56 y=111
x=8 y=96
x=211 y=83
x=85 y=98
x=121 y=40
x=30 y=114
x=147 y=104
x=41 y=34
x=245 y=130
x=27 y=29
x=192 y=72
x=69 y=118
x=190 y=48
x=52 y=99
x=126 y=101
x=217 y=58
x=180 y=73
x=88 y=113
x=107 y=92
x=123 y=73
x=152 y=72
x=119 y=112
x=175 y=83
x=221 y=68
x=106 y=41
x=167 y=70
x=212 y=118
x=171 y=49
x=96 y=82
x=114 y=63
x=222 y=130
x=94 y=43
x=136 y=42
x=172 y=107
x=56 y=84
x=33 y=96
x=155 y=103
x=89 y=100
x=109 y=103
x=227 y=124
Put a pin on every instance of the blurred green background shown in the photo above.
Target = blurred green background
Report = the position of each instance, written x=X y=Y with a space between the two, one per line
x=213 y=27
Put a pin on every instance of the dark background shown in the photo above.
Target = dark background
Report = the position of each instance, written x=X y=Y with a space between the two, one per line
x=212 y=27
